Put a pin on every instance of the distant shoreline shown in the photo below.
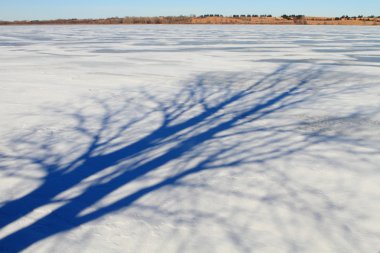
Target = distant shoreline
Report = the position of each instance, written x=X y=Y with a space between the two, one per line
x=210 y=20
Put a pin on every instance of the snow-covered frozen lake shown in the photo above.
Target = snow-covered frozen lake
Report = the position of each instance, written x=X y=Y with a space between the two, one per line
x=189 y=139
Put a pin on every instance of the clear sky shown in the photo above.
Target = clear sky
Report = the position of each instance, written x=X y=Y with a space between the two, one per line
x=51 y=9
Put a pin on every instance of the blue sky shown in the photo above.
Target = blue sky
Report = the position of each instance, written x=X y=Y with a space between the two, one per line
x=49 y=9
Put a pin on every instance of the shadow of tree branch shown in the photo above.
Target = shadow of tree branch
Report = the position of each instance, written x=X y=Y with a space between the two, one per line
x=210 y=124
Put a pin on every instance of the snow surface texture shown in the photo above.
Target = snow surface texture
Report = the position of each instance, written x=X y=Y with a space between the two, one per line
x=189 y=139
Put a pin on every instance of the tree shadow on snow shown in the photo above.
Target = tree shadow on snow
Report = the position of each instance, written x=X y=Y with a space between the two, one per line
x=211 y=124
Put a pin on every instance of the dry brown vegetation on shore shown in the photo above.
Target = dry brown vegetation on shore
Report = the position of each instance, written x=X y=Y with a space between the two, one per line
x=212 y=19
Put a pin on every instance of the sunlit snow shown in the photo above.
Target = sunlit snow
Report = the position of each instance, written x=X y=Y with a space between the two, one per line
x=189 y=139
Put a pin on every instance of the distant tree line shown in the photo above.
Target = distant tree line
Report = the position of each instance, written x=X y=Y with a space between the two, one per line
x=237 y=16
x=113 y=20
x=206 y=18
x=290 y=17
x=252 y=16
x=297 y=19
x=360 y=17
x=210 y=15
